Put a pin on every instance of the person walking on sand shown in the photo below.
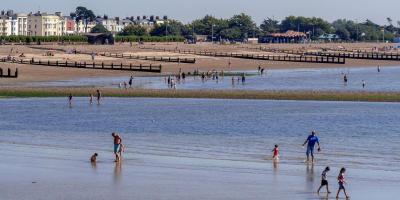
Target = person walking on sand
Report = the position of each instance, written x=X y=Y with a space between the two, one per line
x=324 y=180
x=275 y=156
x=341 y=182
x=117 y=146
x=98 y=97
x=93 y=55
x=311 y=140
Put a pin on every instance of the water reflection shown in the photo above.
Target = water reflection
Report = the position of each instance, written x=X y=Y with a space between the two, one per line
x=117 y=172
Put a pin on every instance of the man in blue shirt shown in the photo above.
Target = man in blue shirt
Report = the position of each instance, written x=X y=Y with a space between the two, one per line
x=311 y=140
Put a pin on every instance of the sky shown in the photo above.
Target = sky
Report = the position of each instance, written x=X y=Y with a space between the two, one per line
x=187 y=10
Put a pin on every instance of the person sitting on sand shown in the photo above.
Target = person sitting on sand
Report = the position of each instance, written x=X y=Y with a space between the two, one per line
x=341 y=182
x=117 y=146
x=324 y=180
x=311 y=140
x=275 y=157
x=93 y=159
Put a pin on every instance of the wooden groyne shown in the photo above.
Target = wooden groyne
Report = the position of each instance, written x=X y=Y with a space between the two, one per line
x=127 y=56
x=284 y=58
x=8 y=74
x=357 y=55
x=152 y=58
x=339 y=54
x=88 y=65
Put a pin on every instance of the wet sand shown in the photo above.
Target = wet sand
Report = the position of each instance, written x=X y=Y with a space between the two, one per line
x=30 y=73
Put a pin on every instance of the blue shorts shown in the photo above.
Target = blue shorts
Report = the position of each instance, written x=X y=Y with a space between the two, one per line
x=310 y=150
x=341 y=186
x=117 y=147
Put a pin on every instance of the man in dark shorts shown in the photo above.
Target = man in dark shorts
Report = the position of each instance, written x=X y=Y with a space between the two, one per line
x=311 y=140
x=117 y=146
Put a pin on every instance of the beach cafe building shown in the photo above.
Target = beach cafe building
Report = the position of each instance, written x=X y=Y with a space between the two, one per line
x=288 y=37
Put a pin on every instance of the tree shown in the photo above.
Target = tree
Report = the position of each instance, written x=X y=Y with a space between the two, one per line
x=84 y=15
x=99 y=29
x=316 y=26
x=343 y=33
x=170 y=28
x=231 y=33
x=244 y=23
x=269 y=26
x=134 y=30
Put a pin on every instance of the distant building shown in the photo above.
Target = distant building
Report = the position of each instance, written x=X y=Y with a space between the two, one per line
x=70 y=25
x=21 y=24
x=288 y=37
x=80 y=27
x=5 y=25
x=329 y=37
x=100 y=38
x=252 y=40
x=43 y=24
x=109 y=23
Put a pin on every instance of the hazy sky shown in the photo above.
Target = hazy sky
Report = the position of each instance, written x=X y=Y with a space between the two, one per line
x=187 y=10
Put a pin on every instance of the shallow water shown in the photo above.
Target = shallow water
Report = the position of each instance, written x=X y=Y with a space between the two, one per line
x=288 y=79
x=195 y=148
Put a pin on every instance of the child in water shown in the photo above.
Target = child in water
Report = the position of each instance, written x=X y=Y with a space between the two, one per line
x=324 y=180
x=275 y=157
x=342 y=181
x=93 y=158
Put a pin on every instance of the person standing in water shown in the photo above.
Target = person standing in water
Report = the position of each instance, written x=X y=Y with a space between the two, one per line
x=130 y=81
x=98 y=97
x=324 y=180
x=341 y=182
x=275 y=156
x=363 y=84
x=70 y=99
x=345 y=79
x=379 y=68
x=117 y=146
x=91 y=99
x=311 y=140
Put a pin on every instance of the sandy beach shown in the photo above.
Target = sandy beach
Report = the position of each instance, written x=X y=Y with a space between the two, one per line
x=30 y=73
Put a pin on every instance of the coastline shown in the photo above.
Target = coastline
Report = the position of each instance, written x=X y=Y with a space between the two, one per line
x=359 y=96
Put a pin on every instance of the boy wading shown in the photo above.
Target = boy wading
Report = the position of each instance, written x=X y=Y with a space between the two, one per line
x=117 y=146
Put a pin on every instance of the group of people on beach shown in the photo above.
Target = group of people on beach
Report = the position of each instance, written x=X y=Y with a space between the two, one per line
x=363 y=82
x=125 y=84
x=311 y=141
x=91 y=98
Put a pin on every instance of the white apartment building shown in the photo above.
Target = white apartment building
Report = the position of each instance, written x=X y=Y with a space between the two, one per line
x=80 y=27
x=5 y=25
x=21 y=24
x=110 y=24
x=43 y=24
